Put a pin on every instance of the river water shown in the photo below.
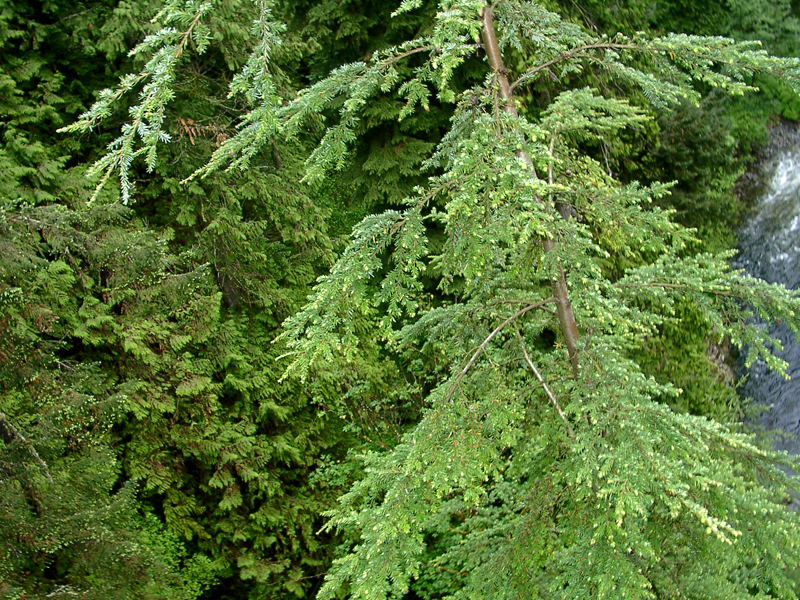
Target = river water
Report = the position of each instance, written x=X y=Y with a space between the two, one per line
x=770 y=248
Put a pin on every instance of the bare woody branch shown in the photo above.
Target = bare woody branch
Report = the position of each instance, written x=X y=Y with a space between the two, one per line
x=489 y=338
x=544 y=384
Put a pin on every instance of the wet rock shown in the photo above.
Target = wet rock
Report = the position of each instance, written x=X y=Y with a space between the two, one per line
x=769 y=244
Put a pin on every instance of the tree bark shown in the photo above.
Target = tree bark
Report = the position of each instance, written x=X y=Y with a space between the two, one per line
x=566 y=318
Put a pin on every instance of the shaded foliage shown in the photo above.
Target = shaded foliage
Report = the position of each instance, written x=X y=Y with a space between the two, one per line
x=150 y=445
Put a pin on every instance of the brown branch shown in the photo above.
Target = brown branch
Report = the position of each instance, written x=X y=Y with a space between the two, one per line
x=9 y=432
x=544 y=384
x=566 y=317
x=401 y=56
x=452 y=571
x=574 y=53
x=564 y=308
x=488 y=339
x=492 y=49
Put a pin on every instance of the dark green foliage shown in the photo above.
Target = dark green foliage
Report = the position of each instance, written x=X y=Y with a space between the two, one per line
x=713 y=17
x=386 y=161
x=156 y=322
x=697 y=149
x=687 y=353
x=139 y=367
x=774 y=23
x=67 y=525
x=777 y=26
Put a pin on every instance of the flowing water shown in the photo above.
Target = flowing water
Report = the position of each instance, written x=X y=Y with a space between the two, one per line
x=770 y=249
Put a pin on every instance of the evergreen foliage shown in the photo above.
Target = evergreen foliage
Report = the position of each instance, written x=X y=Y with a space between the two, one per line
x=154 y=323
x=548 y=471
x=67 y=525
x=511 y=349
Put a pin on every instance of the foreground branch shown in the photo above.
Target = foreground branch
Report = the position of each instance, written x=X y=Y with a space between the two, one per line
x=544 y=385
x=488 y=339
x=566 y=317
x=574 y=53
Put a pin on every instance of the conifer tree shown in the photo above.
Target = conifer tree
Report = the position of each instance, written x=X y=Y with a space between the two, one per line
x=542 y=465
x=70 y=524
x=546 y=469
x=147 y=327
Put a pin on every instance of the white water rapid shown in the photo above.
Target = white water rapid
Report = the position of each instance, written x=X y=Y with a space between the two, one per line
x=770 y=249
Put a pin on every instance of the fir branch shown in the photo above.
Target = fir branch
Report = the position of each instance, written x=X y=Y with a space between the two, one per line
x=544 y=384
x=166 y=47
x=569 y=55
x=460 y=375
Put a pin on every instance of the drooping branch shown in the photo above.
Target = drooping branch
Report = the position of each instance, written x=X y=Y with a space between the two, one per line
x=10 y=433
x=544 y=384
x=489 y=338
x=566 y=317
x=574 y=53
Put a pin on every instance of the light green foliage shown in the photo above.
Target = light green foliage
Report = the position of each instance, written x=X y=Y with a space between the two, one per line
x=522 y=479
x=165 y=49
x=776 y=26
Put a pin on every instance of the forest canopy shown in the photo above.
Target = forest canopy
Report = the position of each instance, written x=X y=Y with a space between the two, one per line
x=374 y=300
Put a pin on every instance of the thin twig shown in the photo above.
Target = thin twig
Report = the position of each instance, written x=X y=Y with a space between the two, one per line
x=574 y=53
x=8 y=431
x=544 y=385
x=488 y=339
x=675 y=286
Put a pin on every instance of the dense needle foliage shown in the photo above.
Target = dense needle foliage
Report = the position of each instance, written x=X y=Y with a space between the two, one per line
x=504 y=373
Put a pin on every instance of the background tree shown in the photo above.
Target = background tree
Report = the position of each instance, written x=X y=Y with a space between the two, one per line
x=146 y=328
x=327 y=114
x=69 y=524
